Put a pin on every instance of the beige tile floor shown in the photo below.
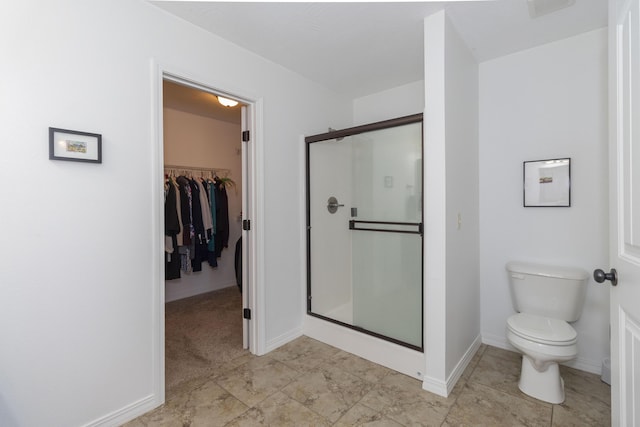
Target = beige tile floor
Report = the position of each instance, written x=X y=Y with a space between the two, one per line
x=308 y=383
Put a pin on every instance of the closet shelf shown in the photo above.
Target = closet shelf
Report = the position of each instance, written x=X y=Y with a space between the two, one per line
x=188 y=170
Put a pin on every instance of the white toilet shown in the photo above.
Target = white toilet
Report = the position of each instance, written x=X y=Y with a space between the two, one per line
x=546 y=298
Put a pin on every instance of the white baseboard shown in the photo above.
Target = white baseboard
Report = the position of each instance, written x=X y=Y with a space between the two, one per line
x=462 y=364
x=128 y=413
x=435 y=386
x=283 y=339
x=499 y=341
x=580 y=363
x=444 y=388
x=587 y=365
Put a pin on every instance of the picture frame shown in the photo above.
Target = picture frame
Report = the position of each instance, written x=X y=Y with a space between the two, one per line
x=547 y=183
x=75 y=146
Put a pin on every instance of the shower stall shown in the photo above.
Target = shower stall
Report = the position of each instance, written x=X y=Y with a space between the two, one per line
x=365 y=229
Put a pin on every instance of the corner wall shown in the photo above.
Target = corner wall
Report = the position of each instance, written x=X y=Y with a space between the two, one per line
x=543 y=103
x=451 y=262
x=463 y=211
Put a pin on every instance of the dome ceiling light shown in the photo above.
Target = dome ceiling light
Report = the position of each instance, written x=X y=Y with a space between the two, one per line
x=227 y=102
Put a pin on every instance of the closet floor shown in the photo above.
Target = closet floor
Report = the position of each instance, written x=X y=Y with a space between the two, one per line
x=211 y=381
x=202 y=333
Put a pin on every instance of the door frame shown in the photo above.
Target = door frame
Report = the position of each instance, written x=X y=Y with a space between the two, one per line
x=338 y=135
x=253 y=292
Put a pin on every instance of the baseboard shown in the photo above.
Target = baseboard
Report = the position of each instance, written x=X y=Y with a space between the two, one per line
x=587 y=365
x=444 y=388
x=128 y=413
x=462 y=364
x=281 y=340
x=499 y=341
x=580 y=363
x=435 y=386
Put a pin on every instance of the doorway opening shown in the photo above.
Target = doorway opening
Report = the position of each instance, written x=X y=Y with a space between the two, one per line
x=208 y=159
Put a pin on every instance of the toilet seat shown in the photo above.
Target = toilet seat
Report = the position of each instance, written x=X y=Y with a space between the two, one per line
x=543 y=330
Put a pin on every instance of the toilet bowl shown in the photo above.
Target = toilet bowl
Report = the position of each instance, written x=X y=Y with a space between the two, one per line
x=544 y=343
x=546 y=298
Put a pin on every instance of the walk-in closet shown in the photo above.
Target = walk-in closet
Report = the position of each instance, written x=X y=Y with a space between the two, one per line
x=203 y=227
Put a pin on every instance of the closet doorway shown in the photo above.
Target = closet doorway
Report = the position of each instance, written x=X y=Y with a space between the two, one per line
x=208 y=171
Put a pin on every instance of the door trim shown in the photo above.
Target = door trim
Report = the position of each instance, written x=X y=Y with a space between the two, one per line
x=161 y=72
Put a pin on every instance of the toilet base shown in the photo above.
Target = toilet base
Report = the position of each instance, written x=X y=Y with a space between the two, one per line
x=547 y=386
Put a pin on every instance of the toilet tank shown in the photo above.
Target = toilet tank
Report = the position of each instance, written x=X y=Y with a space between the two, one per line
x=550 y=291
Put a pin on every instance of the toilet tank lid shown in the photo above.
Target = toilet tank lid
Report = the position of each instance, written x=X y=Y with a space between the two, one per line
x=571 y=273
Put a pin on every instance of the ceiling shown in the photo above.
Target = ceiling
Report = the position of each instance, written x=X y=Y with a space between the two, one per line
x=195 y=101
x=361 y=48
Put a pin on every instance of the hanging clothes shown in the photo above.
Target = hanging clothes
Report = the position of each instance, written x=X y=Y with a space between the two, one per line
x=222 y=218
x=185 y=207
x=238 y=263
x=198 y=227
x=196 y=224
x=179 y=237
x=171 y=230
x=211 y=247
x=204 y=203
x=202 y=252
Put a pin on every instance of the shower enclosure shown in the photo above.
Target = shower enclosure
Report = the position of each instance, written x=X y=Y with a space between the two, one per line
x=364 y=229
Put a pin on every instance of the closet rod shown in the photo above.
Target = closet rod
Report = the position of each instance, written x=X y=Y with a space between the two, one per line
x=176 y=168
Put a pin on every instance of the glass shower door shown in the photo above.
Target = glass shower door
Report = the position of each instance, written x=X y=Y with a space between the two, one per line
x=365 y=257
x=386 y=233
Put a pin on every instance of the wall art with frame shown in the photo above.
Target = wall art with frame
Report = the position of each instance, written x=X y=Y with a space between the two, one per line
x=73 y=145
x=547 y=183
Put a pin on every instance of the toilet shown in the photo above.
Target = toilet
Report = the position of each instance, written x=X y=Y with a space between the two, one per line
x=546 y=298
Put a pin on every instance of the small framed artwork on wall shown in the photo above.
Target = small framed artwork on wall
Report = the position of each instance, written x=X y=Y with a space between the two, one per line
x=547 y=183
x=65 y=144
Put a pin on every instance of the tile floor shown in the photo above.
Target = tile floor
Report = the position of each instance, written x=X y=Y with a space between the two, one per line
x=308 y=383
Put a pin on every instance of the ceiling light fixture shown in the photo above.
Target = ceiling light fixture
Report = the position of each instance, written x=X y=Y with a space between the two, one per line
x=227 y=102
x=538 y=8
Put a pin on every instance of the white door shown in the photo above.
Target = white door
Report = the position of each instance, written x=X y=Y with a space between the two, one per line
x=624 y=161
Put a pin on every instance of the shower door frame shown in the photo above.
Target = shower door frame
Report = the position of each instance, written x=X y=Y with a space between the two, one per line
x=342 y=133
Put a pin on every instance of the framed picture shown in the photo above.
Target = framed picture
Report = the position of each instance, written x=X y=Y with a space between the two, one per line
x=65 y=144
x=547 y=183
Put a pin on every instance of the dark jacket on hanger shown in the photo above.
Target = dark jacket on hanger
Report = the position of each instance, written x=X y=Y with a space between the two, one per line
x=200 y=249
x=185 y=209
x=171 y=229
x=222 y=218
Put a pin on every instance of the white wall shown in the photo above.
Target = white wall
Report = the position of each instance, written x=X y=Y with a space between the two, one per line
x=546 y=102
x=395 y=102
x=198 y=141
x=451 y=253
x=462 y=215
x=78 y=299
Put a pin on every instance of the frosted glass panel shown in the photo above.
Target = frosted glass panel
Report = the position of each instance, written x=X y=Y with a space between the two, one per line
x=387 y=179
x=387 y=285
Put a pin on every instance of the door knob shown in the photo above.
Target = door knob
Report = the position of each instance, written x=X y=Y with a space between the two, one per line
x=600 y=276
x=333 y=205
